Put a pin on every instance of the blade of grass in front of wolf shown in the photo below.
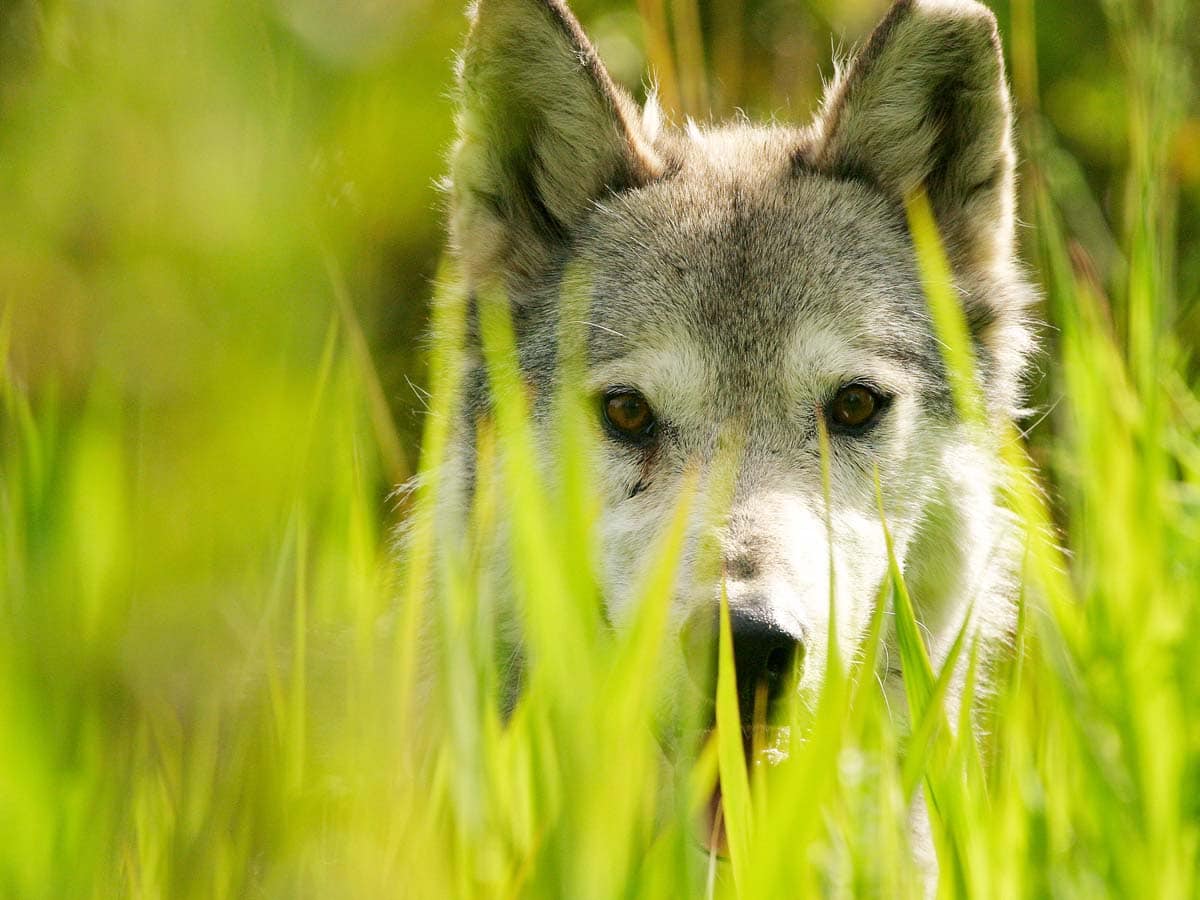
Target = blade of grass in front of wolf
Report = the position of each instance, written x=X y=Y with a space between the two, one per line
x=576 y=435
x=731 y=758
x=622 y=784
x=817 y=740
x=930 y=726
x=920 y=688
x=554 y=632
x=864 y=666
x=833 y=661
x=914 y=656
x=623 y=780
x=951 y=329
x=945 y=309
x=466 y=628
x=953 y=334
x=967 y=778
x=564 y=646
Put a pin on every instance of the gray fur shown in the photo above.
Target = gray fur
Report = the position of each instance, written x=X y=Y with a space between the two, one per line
x=740 y=276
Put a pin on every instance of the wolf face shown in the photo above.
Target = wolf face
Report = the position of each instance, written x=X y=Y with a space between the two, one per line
x=748 y=288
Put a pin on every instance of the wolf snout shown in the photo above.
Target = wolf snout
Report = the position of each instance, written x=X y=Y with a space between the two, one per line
x=768 y=653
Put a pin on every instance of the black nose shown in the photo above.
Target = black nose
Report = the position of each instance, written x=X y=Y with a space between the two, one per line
x=765 y=653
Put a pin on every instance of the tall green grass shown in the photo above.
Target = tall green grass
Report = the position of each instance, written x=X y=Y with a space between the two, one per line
x=219 y=677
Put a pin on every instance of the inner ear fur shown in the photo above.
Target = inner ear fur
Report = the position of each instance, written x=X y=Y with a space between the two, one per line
x=925 y=104
x=543 y=133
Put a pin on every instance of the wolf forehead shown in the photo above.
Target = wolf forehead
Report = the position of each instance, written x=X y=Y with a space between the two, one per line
x=737 y=254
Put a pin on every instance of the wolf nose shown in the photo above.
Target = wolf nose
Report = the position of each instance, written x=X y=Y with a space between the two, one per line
x=765 y=653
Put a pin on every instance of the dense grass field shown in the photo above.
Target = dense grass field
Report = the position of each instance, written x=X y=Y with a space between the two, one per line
x=219 y=240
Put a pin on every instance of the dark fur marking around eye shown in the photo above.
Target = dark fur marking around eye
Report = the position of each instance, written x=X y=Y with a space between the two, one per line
x=643 y=483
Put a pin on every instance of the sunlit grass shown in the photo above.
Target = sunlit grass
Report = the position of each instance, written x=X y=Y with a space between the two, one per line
x=221 y=675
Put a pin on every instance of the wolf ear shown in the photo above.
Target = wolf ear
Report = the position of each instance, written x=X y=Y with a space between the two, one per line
x=925 y=104
x=543 y=133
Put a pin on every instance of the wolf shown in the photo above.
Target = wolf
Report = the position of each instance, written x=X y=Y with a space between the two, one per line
x=761 y=280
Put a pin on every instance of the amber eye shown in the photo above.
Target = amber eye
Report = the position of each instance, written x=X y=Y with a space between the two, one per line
x=628 y=414
x=854 y=406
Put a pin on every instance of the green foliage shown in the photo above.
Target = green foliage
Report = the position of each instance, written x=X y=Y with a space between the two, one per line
x=215 y=678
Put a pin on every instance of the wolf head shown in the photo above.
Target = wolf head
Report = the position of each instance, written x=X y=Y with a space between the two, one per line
x=757 y=286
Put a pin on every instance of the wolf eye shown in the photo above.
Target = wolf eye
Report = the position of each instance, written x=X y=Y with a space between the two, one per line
x=628 y=415
x=855 y=406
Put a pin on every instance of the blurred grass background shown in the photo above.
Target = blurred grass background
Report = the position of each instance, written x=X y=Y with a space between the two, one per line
x=219 y=227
